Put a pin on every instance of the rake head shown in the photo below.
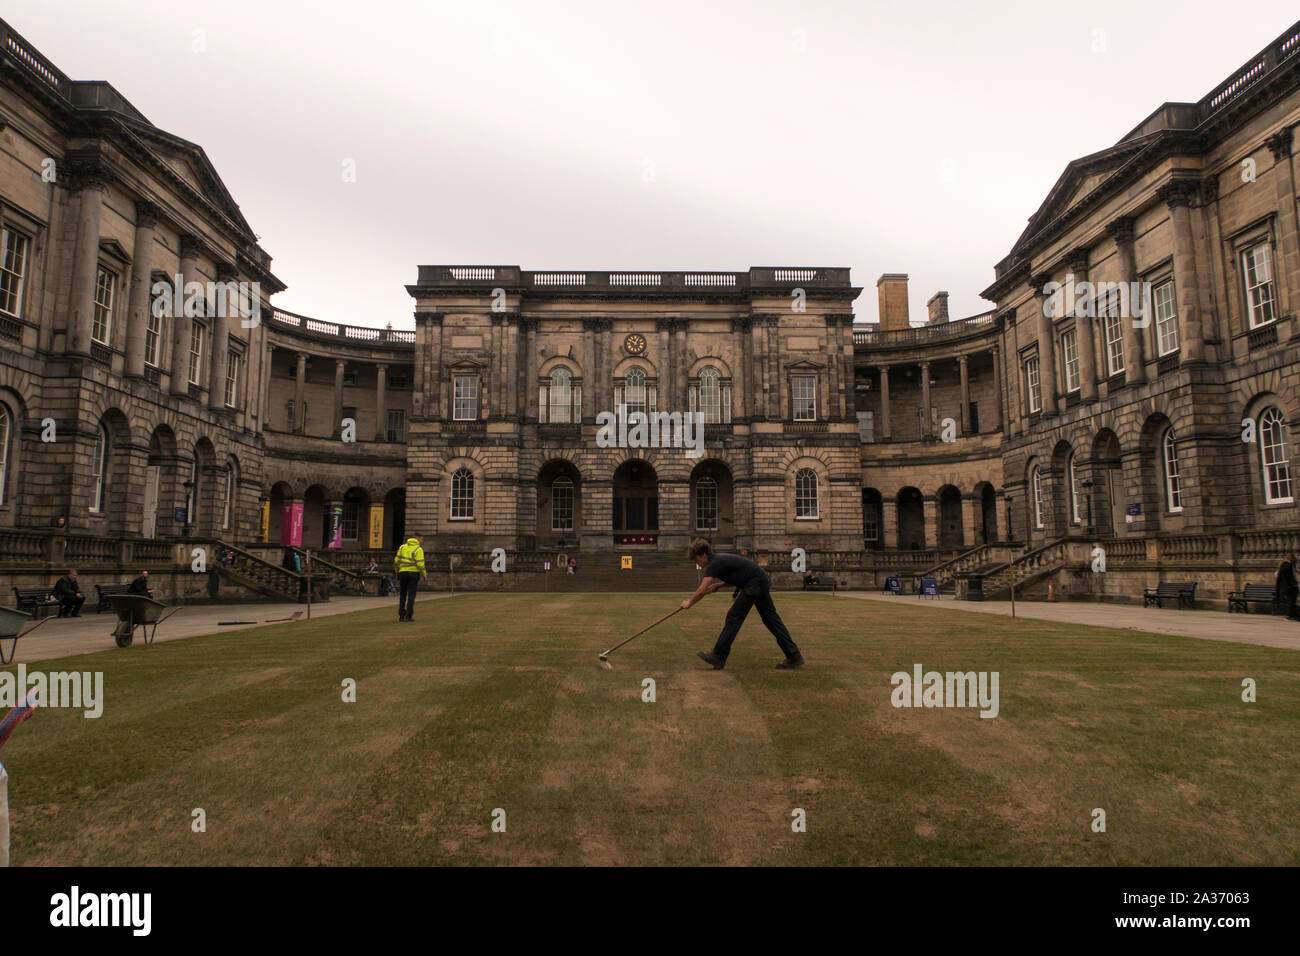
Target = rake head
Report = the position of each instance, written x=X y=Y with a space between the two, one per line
x=604 y=662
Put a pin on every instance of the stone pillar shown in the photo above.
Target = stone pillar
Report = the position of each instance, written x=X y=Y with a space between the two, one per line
x=926 y=433
x=834 y=411
x=998 y=383
x=930 y=506
x=337 y=429
x=433 y=407
x=513 y=409
x=140 y=304
x=381 y=403
x=965 y=395
x=1286 y=268
x=664 y=359
x=1000 y=506
x=530 y=372
x=740 y=384
x=300 y=393
x=1135 y=372
x=1191 y=339
x=972 y=514
x=1046 y=345
x=1083 y=325
x=91 y=184
x=183 y=325
x=886 y=434
x=755 y=407
x=219 y=348
x=773 y=353
x=268 y=367
x=587 y=356
x=889 y=522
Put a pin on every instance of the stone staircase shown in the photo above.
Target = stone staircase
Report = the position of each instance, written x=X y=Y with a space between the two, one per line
x=1028 y=569
x=983 y=557
x=267 y=579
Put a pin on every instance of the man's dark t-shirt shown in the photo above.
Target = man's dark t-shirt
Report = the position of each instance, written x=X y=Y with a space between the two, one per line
x=732 y=569
x=139 y=586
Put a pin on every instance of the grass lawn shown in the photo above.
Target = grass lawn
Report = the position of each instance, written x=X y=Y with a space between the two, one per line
x=496 y=701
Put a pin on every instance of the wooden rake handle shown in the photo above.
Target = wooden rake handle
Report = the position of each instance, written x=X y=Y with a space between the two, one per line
x=642 y=631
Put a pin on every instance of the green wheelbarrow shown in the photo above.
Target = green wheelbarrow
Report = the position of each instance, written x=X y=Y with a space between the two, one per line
x=12 y=622
x=136 y=610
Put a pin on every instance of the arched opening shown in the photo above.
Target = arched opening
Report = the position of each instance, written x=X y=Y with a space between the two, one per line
x=950 y=525
x=636 y=503
x=279 y=525
x=911 y=519
x=873 y=519
x=559 y=504
x=712 y=496
x=158 y=516
x=394 y=517
x=355 y=519
x=200 y=491
x=1108 y=484
x=315 y=517
x=988 y=514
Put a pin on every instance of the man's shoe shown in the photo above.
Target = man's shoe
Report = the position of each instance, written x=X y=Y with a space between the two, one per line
x=791 y=662
x=711 y=658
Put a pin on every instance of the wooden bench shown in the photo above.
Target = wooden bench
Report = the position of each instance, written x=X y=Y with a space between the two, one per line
x=1253 y=594
x=103 y=591
x=1184 y=592
x=31 y=600
x=822 y=584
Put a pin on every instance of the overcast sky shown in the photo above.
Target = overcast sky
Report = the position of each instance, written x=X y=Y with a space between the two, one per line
x=555 y=134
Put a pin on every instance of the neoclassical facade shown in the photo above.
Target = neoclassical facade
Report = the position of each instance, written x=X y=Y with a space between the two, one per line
x=1161 y=401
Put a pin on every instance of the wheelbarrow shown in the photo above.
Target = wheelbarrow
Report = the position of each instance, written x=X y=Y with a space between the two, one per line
x=11 y=628
x=136 y=610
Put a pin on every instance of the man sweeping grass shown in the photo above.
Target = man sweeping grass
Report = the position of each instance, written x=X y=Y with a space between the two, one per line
x=753 y=589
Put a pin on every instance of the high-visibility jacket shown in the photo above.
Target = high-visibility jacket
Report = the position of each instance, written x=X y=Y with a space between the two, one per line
x=410 y=557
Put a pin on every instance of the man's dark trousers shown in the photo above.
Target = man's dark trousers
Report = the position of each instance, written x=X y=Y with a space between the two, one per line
x=406 y=585
x=756 y=593
x=69 y=606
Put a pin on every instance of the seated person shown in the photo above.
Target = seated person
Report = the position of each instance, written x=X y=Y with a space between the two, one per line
x=373 y=568
x=68 y=594
x=140 y=585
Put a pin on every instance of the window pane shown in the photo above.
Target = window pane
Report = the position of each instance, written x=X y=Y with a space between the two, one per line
x=13 y=266
x=1166 y=318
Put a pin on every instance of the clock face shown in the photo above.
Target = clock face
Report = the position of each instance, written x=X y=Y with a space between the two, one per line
x=635 y=343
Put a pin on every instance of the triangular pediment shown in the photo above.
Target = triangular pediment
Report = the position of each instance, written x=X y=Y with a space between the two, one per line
x=1081 y=178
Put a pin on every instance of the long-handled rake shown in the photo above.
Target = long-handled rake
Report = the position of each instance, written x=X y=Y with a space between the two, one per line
x=604 y=658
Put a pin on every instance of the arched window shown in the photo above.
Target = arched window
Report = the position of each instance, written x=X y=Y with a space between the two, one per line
x=462 y=495
x=1274 y=457
x=706 y=504
x=1173 y=486
x=99 y=470
x=1074 y=490
x=634 y=393
x=4 y=450
x=561 y=396
x=1036 y=479
x=711 y=395
x=562 y=504
x=805 y=494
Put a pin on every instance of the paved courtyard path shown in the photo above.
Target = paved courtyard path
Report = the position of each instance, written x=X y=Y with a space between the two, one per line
x=94 y=632
x=1265 y=629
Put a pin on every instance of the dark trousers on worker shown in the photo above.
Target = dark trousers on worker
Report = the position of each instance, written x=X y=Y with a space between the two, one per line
x=406 y=584
x=1288 y=601
x=756 y=593
x=70 y=606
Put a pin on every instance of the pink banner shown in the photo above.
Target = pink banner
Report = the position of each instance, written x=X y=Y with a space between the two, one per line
x=291 y=523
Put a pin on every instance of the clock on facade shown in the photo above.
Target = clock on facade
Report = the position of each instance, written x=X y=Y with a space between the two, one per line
x=635 y=343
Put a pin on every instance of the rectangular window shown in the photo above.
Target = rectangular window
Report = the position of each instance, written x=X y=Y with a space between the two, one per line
x=232 y=378
x=465 y=398
x=351 y=519
x=866 y=427
x=196 y=354
x=153 y=340
x=101 y=324
x=398 y=380
x=1162 y=299
x=1032 y=384
x=706 y=505
x=562 y=505
x=396 y=424
x=1113 y=327
x=870 y=523
x=804 y=392
x=13 y=267
x=1257 y=271
x=1070 y=350
x=350 y=378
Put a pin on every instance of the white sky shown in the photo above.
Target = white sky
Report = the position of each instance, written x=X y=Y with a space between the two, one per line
x=890 y=137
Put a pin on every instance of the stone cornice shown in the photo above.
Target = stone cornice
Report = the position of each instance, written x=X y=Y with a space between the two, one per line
x=1121 y=229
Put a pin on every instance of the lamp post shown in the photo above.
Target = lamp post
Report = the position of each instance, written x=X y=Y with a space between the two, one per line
x=1011 y=569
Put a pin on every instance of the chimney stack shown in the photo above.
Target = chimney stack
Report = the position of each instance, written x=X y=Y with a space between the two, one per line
x=891 y=290
x=938 y=307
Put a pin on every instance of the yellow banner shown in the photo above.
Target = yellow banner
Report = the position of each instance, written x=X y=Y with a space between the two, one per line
x=264 y=529
x=376 y=526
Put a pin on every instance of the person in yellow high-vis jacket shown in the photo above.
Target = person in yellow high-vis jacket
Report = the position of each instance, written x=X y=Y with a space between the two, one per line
x=409 y=565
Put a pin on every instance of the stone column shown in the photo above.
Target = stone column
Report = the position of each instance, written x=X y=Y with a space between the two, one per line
x=886 y=433
x=219 y=348
x=1046 y=345
x=773 y=352
x=1084 y=337
x=925 y=402
x=267 y=368
x=931 y=510
x=140 y=304
x=998 y=383
x=1191 y=339
x=833 y=411
x=91 y=184
x=972 y=513
x=889 y=522
x=1286 y=267
x=300 y=393
x=1135 y=373
x=512 y=410
x=1000 y=507
x=337 y=429
x=530 y=370
x=756 y=400
x=183 y=325
x=587 y=356
x=381 y=403
x=965 y=395
x=433 y=406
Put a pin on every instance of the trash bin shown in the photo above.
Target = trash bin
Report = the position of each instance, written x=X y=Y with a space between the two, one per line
x=974 y=587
